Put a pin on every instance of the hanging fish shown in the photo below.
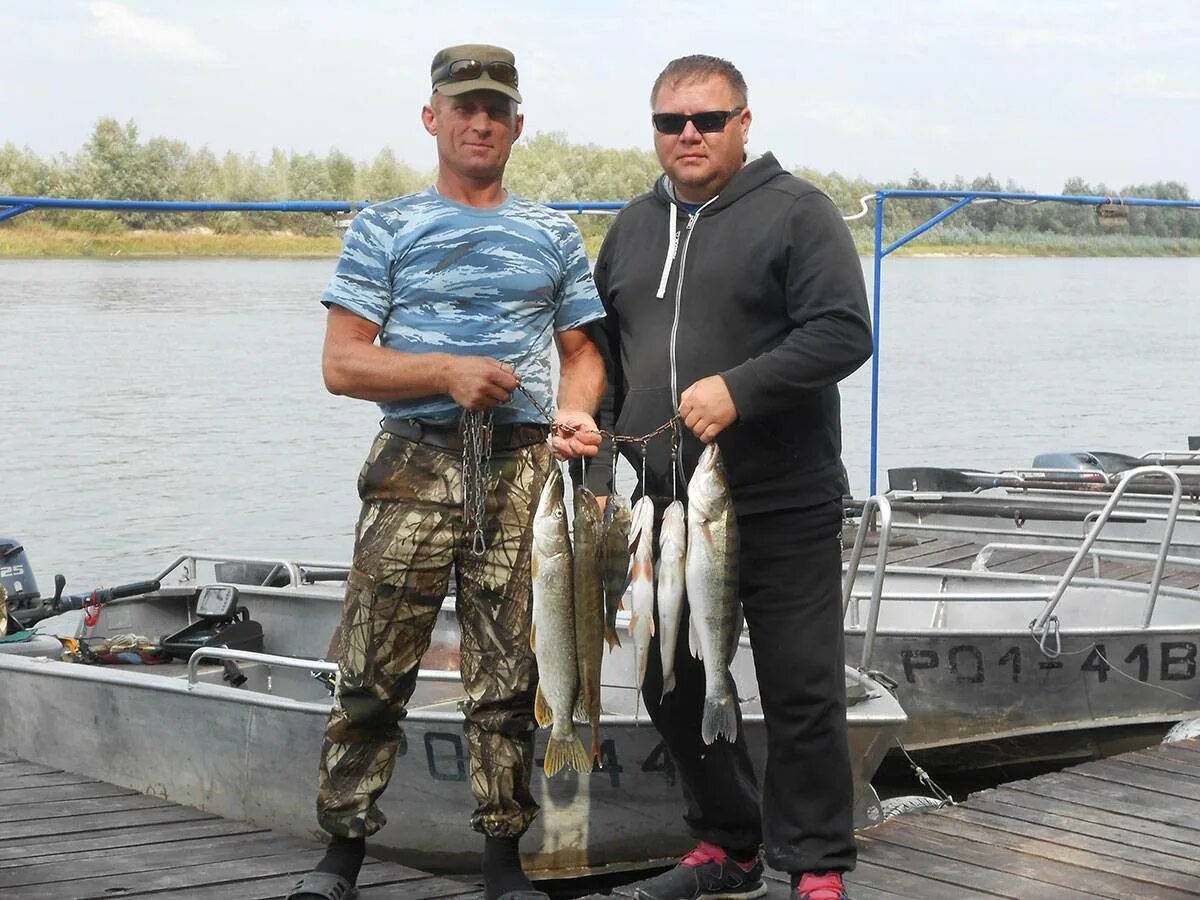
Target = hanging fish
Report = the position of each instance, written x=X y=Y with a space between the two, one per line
x=589 y=610
x=641 y=584
x=553 y=634
x=617 y=521
x=711 y=582
x=672 y=543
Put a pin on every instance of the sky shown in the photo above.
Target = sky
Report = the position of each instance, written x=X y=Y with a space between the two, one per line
x=1035 y=91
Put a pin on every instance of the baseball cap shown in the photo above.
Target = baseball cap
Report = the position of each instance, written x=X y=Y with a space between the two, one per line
x=474 y=67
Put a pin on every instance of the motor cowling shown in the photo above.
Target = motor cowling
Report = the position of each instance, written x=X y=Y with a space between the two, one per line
x=16 y=575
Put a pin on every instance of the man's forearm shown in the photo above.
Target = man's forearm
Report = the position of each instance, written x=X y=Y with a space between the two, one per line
x=581 y=379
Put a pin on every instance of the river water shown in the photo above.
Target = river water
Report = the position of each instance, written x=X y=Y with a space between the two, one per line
x=155 y=406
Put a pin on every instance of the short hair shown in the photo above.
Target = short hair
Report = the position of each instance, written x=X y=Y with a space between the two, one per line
x=698 y=67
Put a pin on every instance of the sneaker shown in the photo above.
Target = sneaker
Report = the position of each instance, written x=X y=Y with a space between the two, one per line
x=821 y=887
x=707 y=873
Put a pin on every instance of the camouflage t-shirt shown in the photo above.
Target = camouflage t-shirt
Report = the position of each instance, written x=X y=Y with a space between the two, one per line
x=437 y=276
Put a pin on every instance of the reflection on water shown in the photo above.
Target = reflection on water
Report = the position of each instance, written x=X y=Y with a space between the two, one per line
x=154 y=406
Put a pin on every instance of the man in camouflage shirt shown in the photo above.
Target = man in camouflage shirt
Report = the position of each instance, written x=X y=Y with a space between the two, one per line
x=462 y=285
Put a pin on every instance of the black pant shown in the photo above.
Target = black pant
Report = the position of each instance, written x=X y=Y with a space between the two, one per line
x=791 y=594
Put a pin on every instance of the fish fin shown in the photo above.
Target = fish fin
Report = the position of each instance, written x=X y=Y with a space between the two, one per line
x=720 y=719
x=706 y=530
x=694 y=645
x=668 y=684
x=533 y=637
x=568 y=751
x=611 y=637
x=633 y=545
x=581 y=713
x=541 y=709
x=595 y=748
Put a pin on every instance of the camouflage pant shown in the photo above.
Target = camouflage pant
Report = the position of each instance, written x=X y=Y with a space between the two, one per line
x=410 y=534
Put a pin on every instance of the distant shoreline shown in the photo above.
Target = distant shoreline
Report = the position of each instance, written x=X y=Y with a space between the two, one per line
x=48 y=243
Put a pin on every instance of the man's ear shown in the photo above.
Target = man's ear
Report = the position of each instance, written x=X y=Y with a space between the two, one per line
x=520 y=126
x=429 y=118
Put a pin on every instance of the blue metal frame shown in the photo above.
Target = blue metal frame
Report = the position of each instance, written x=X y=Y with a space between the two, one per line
x=11 y=207
x=18 y=205
x=962 y=199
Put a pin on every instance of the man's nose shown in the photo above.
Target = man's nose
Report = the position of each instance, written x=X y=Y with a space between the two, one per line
x=690 y=133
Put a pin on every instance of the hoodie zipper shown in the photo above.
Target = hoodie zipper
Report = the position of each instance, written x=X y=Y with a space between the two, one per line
x=687 y=237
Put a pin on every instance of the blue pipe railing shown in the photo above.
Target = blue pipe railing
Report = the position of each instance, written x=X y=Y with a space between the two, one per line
x=11 y=207
x=962 y=199
x=18 y=205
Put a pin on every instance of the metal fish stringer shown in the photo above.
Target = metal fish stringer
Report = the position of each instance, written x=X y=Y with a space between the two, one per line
x=476 y=471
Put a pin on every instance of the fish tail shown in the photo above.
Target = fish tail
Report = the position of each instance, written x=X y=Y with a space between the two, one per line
x=566 y=751
x=595 y=745
x=541 y=709
x=611 y=637
x=720 y=719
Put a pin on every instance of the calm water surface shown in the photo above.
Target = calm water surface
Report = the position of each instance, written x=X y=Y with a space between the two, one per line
x=151 y=407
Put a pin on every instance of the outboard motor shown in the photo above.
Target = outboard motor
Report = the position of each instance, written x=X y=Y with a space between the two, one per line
x=16 y=574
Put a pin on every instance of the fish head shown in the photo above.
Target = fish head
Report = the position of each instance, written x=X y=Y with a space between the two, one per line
x=708 y=489
x=550 y=520
x=672 y=536
x=587 y=510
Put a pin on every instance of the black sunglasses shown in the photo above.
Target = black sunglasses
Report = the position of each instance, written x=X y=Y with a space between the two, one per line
x=470 y=69
x=705 y=122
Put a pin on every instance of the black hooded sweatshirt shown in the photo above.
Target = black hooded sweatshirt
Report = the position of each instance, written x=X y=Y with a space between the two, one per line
x=762 y=285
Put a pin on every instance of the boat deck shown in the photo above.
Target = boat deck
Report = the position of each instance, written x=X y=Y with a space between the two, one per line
x=930 y=551
x=67 y=836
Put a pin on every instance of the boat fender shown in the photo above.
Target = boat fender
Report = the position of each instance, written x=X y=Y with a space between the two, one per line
x=1183 y=731
x=895 y=806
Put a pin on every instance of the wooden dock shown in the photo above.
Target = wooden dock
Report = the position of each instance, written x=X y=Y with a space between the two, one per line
x=1124 y=827
x=68 y=837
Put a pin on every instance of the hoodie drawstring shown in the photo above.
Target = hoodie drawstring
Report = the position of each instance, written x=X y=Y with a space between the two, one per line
x=672 y=246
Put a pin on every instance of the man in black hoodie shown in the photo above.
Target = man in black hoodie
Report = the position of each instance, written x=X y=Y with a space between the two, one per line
x=735 y=297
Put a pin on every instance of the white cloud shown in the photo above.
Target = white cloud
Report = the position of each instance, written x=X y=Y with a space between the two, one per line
x=143 y=36
x=1154 y=84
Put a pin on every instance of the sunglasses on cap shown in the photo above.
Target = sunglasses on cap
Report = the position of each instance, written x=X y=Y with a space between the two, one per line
x=705 y=122
x=470 y=69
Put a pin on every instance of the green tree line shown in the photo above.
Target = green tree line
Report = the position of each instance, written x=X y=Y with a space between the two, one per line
x=116 y=163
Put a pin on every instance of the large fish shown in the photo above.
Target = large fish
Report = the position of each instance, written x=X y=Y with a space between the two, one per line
x=641 y=584
x=553 y=633
x=712 y=584
x=616 y=524
x=672 y=543
x=589 y=610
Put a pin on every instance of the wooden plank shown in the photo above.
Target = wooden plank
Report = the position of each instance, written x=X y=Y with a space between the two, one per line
x=1160 y=763
x=1114 y=771
x=926 y=863
x=1101 y=825
x=215 y=852
x=25 y=782
x=1183 y=750
x=18 y=767
x=67 y=849
x=171 y=880
x=21 y=831
x=1103 y=871
x=36 y=811
x=1045 y=877
x=1102 y=814
x=1145 y=806
x=924 y=883
x=58 y=792
x=385 y=881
